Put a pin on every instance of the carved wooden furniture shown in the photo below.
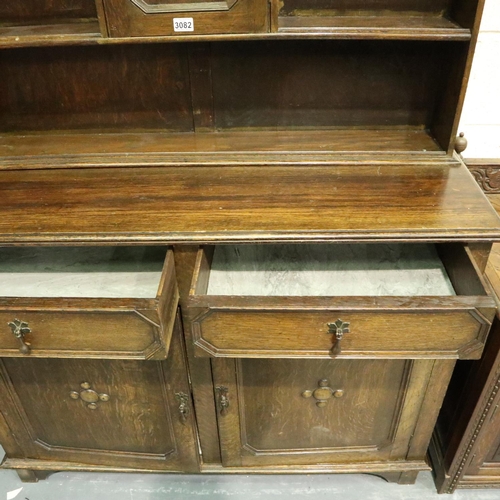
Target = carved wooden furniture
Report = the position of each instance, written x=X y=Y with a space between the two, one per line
x=487 y=175
x=465 y=446
x=320 y=137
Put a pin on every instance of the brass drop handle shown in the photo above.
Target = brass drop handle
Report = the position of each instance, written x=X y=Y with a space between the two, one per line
x=183 y=400
x=323 y=393
x=338 y=330
x=89 y=396
x=223 y=399
x=19 y=330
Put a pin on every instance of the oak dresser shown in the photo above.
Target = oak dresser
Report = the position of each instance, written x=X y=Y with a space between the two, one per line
x=236 y=236
x=465 y=445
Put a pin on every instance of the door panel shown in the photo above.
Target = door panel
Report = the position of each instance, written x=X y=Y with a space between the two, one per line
x=130 y=18
x=105 y=412
x=275 y=412
x=278 y=418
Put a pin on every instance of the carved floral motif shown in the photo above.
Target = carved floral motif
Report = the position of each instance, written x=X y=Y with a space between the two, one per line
x=488 y=177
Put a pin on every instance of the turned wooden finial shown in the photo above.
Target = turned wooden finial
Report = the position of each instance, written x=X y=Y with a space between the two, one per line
x=461 y=143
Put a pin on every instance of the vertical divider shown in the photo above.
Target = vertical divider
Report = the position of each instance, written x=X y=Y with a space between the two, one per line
x=200 y=75
x=101 y=17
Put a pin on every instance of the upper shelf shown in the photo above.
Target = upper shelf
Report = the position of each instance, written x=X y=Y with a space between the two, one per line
x=372 y=26
x=44 y=22
x=48 y=22
x=88 y=34
x=65 y=33
x=264 y=147
x=414 y=19
x=228 y=103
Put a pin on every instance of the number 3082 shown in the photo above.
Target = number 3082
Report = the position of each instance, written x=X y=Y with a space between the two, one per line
x=183 y=24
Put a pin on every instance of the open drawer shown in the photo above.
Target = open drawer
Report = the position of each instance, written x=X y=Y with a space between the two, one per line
x=390 y=300
x=106 y=302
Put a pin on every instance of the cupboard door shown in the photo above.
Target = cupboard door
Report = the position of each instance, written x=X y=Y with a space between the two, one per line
x=126 y=413
x=159 y=6
x=130 y=18
x=300 y=412
x=483 y=466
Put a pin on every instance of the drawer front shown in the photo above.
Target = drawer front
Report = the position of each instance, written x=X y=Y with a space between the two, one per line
x=90 y=327
x=120 y=333
x=180 y=18
x=230 y=319
x=302 y=333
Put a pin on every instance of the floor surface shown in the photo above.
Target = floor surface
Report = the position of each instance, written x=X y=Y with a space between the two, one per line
x=97 y=486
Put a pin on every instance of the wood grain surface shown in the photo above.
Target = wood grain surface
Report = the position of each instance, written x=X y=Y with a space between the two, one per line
x=271 y=391
x=142 y=406
x=371 y=203
x=83 y=87
x=126 y=20
x=408 y=145
x=38 y=11
x=337 y=129
x=118 y=328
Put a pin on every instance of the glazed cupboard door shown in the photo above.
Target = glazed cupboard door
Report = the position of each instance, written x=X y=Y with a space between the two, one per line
x=306 y=412
x=129 y=18
x=125 y=413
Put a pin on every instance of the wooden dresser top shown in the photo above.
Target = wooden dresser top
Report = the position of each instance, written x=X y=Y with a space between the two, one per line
x=223 y=204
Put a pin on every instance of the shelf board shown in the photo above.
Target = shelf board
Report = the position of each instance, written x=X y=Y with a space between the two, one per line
x=376 y=26
x=87 y=32
x=69 y=33
x=349 y=203
x=263 y=147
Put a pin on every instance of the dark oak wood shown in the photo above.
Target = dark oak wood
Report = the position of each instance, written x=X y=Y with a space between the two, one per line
x=375 y=203
x=487 y=174
x=274 y=327
x=257 y=86
x=278 y=122
x=441 y=21
x=465 y=444
x=480 y=253
x=94 y=327
x=378 y=19
x=125 y=19
x=37 y=11
x=273 y=333
x=407 y=145
x=448 y=112
x=101 y=16
x=268 y=421
x=34 y=22
x=370 y=26
x=85 y=88
x=50 y=34
x=142 y=405
x=200 y=370
x=265 y=86
x=200 y=74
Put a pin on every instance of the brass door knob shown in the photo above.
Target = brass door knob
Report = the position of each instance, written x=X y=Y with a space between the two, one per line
x=323 y=393
x=89 y=396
